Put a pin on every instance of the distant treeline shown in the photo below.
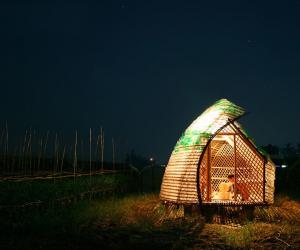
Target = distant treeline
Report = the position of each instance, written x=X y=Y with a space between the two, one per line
x=287 y=178
x=288 y=150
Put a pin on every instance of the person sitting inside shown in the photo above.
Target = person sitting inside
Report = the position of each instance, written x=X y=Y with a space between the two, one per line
x=223 y=192
x=240 y=188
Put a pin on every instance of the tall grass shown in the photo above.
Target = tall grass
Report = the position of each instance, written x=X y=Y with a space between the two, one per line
x=276 y=226
x=132 y=222
x=142 y=222
x=18 y=193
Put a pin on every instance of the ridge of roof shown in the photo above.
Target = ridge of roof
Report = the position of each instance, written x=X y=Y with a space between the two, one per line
x=205 y=125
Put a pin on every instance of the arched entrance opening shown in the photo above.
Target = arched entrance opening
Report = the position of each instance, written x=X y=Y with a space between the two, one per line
x=232 y=170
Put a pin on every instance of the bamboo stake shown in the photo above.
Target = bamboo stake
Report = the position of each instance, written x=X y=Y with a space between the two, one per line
x=40 y=152
x=45 y=147
x=90 y=156
x=24 y=150
x=6 y=147
x=2 y=149
x=82 y=154
x=33 y=149
x=102 y=149
x=20 y=158
x=28 y=150
x=55 y=157
x=96 y=151
x=62 y=159
x=113 y=154
x=75 y=156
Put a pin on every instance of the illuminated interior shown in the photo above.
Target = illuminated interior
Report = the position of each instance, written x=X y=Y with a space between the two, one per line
x=229 y=154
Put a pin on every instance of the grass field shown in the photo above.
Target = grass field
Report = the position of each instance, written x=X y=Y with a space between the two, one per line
x=18 y=193
x=141 y=222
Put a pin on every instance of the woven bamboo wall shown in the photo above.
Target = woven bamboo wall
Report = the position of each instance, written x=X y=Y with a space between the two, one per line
x=250 y=171
x=179 y=181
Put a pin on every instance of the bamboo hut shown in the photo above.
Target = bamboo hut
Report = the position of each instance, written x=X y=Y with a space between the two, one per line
x=216 y=162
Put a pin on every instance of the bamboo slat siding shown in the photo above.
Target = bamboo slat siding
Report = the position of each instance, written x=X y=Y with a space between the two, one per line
x=236 y=156
x=270 y=185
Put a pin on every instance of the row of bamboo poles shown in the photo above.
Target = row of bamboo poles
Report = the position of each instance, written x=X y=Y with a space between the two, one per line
x=37 y=154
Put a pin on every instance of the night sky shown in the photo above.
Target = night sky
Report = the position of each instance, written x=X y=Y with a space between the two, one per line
x=144 y=70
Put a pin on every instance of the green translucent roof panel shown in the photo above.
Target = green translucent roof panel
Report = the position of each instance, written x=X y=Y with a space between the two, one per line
x=207 y=124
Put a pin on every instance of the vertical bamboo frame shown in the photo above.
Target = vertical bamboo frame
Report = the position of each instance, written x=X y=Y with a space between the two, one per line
x=235 y=165
x=264 y=180
x=208 y=169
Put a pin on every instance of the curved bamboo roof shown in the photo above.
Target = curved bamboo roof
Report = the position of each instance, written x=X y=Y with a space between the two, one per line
x=179 y=181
